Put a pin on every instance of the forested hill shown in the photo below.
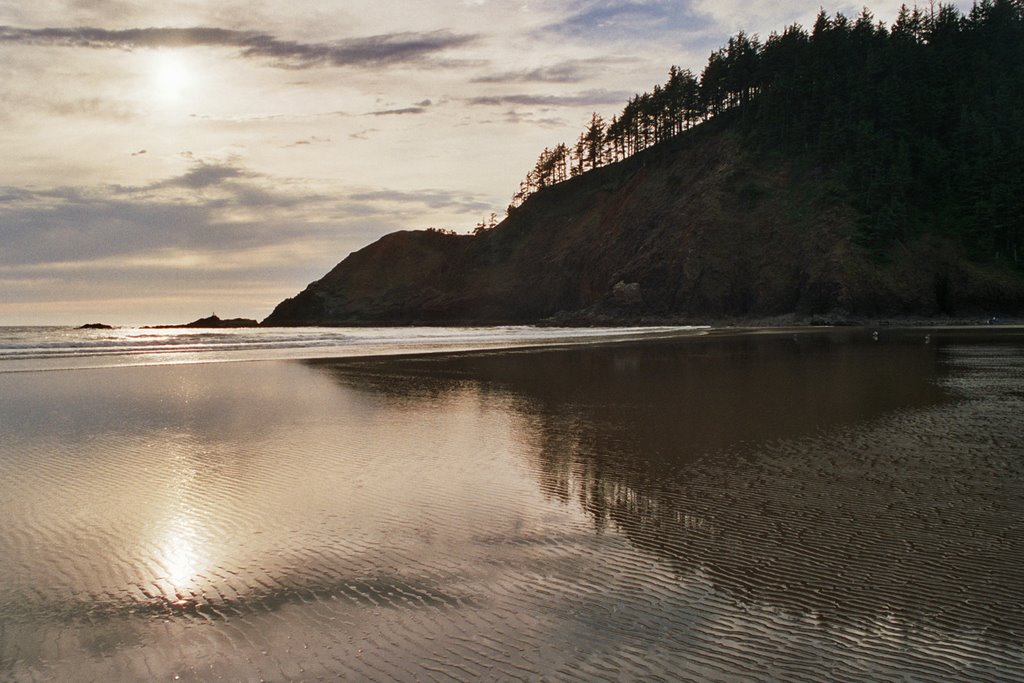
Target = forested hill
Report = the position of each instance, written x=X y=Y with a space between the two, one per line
x=853 y=168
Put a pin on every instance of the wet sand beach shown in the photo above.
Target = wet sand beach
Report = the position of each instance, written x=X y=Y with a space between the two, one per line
x=799 y=505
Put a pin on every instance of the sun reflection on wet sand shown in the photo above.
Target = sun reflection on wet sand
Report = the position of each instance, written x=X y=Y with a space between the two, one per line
x=180 y=557
x=179 y=551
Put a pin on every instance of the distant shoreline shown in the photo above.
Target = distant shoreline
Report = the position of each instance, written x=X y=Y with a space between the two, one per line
x=585 y=322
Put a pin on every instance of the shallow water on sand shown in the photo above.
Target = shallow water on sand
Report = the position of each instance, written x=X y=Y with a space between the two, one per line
x=813 y=506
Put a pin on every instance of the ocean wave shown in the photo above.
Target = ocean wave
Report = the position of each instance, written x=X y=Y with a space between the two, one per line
x=51 y=348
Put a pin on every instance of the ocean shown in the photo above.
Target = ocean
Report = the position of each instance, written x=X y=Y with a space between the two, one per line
x=59 y=348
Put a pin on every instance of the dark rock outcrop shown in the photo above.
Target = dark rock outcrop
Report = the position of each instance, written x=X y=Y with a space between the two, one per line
x=695 y=228
x=211 y=322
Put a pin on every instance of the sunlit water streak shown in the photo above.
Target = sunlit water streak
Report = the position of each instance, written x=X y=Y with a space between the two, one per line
x=805 y=507
x=56 y=348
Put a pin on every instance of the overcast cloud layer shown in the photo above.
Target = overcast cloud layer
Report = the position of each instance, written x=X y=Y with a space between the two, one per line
x=163 y=162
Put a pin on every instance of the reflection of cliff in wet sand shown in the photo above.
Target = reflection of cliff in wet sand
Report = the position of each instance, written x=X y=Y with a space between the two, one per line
x=821 y=474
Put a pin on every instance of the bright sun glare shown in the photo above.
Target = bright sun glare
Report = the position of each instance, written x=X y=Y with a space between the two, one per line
x=171 y=75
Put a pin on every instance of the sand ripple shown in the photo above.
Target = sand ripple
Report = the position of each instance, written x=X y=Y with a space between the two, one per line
x=537 y=516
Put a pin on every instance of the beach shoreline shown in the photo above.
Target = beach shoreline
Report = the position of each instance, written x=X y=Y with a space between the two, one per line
x=451 y=342
x=777 y=491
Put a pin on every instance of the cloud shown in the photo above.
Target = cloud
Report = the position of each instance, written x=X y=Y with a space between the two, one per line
x=399 y=112
x=217 y=186
x=370 y=51
x=516 y=117
x=65 y=224
x=628 y=19
x=212 y=205
x=14 y=194
x=215 y=207
x=417 y=108
x=434 y=199
x=203 y=175
x=91 y=106
x=312 y=140
x=572 y=71
x=179 y=258
x=585 y=98
x=261 y=118
x=363 y=134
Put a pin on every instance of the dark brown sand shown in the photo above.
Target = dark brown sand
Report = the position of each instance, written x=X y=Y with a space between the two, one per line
x=772 y=505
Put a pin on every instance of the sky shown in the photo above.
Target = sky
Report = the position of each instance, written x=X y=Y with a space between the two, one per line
x=160 y=162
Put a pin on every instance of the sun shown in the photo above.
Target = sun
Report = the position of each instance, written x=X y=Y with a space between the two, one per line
x=171 y=76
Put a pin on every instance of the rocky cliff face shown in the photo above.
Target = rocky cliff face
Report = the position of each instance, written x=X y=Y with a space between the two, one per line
x=694 y=228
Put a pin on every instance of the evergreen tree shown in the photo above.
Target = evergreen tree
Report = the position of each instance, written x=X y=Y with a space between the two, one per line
x=924 y=121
